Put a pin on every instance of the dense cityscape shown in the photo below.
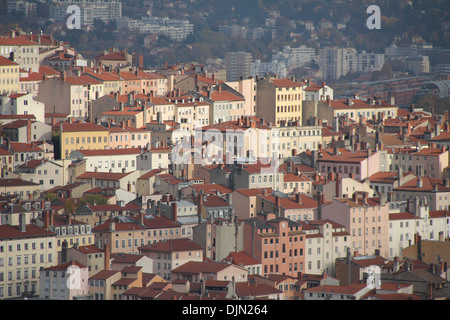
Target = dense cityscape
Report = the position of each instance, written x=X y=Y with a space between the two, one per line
x=199 y=151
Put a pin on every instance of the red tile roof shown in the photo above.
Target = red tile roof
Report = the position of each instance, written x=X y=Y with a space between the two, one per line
x=213 y=201
x=112 y=176
x=119 y=226
x=150 y=174
x=357 y=104
x=65 y=266
x=254 y=192
x=24 y=147
x=242 y=258
x=245 y=289
x=110 y=152
x=429 y=184
x=211 y=188
x=16 y=182
x=290 y=203
x=396 y=296
x=156 y=222
x=289 y=177
x=347 y=157
x=89 y=249
x=402 y=216
x=13 y=232
x=197 y=267
x=77 y=127
x=285 y=83
x=126 y=258
x=104 y=274
x=16 y=41
x=367 y=261
x=350 y=289
x=17 y=124
x=439 y=214
x=116 y=55
x=172 y=245
x=6 y=62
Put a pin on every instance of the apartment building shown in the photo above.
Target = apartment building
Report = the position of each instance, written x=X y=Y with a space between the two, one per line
x=104 y=10
x=238 y=64
x=247 y=199
x=9 y=76
x=196 y=271
x=27 y=131
x=277 y=242
x=100 y=284
x=68 y=95
x=154 y=158
x=170 y=254
x=338 y=62
x=66 y=281
x=435 y=191
x=325 y=241
x=80 y=135
x=245 y=138
x=22 y=104
x=93 y=258
x=366 y=219
x=418 y=220
x=247 y=88
x=225 y=105
x=299 y=207
x=21 y=50
x=355 y=108
x=429 y=161
x=24 y=250
x=127 y=234
x=291 y=138
x=110 y=160
x=279 y=100
x=358 y=164
x=67 y=229
x=47 y=173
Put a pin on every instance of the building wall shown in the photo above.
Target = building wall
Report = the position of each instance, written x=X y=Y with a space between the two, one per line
x=59 y=287
x=20 y=266
x=88 y=140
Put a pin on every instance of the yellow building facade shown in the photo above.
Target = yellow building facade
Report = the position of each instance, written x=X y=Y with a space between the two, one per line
x=81 y=136
x=9 y=76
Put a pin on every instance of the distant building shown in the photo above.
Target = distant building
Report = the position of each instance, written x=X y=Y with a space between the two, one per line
x=104 y=10
x=55 y=282
x=238 y=65
x=29 y=249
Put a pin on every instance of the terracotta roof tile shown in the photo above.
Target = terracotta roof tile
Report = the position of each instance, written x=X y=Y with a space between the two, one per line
x=171 y=245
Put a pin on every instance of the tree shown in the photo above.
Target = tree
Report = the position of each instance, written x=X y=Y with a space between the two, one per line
x=51 y=196
x=69 y=206
x=92 y=199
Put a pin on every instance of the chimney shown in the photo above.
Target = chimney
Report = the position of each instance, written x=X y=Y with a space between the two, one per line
x=28 y=130
x=277 y=203
x=320 y=198
x=112 y=225
x=107 y=256
x=298 y=198
x=22 y=222
x=174 y=211
x=64 y=248
x=419 y=182
x=141 y=218
x=51 y=213
x=396 y=265
x=199 y=207
x=418 y=241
